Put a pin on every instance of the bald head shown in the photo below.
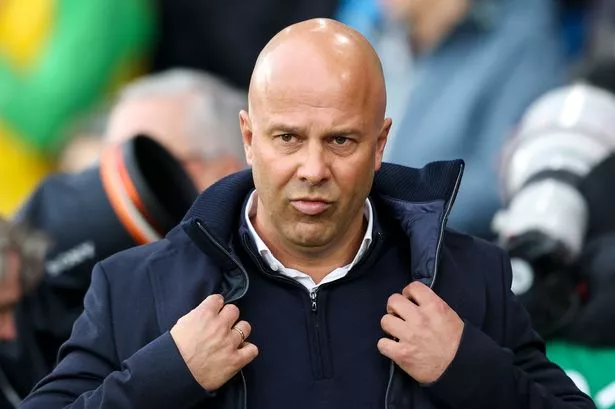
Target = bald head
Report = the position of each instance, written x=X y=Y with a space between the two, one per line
x=320 y=53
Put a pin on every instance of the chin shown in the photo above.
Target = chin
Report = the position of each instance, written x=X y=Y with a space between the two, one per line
x=312 y=238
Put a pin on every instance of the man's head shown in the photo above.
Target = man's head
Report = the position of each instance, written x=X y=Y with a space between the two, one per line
x=21 y=257
x=314 y=133
x=192 y=114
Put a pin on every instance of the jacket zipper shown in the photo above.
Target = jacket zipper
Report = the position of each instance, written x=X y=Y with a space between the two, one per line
x=229 y=255
x=245 y=390
x=435 y=273
x=447 y=211
x=245 y=274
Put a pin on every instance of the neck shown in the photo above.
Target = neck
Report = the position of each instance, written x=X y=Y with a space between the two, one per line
x=316 y=262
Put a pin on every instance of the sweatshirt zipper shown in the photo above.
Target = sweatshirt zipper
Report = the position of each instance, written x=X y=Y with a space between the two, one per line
x=315 y=326
x=447 y=211
x=314 y=298
x=313 y=294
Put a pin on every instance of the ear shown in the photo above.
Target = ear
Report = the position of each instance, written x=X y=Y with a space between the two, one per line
x=246 y=133
x=382 y=141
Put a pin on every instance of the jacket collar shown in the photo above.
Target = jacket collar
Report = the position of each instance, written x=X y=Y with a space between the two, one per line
x=419 y=199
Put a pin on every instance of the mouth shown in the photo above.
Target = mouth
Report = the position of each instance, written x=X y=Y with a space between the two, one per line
x=311 y=207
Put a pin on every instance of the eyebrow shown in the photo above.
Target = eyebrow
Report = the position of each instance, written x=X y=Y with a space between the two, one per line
x=281 y=128
x=297 y=130
x=344 y=132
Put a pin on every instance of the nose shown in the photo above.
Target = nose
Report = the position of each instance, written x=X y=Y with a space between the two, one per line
x=314 y=168
x=8 y=331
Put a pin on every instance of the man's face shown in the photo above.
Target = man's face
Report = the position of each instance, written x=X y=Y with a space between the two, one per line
x=314 y=147
x=10 y=294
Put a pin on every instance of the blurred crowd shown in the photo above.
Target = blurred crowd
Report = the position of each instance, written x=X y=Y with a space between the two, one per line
x=114 y=114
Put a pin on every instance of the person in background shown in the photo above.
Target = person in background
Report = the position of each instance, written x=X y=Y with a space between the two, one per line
x=86 y=142
x=22 y=253
x=21 y=267
x=191 y=113
x=194 y=117
x=460 y=75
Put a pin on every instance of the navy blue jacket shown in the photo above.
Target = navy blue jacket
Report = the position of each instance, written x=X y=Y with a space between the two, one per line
x=121 y=355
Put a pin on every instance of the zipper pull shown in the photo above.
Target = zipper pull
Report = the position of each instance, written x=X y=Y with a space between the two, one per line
x=313 y=297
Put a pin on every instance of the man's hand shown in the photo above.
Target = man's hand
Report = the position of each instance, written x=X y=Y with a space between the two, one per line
x=426 y=329
x=212 y=342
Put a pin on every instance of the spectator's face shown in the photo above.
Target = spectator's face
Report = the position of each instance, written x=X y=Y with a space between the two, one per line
x=314 y=141
x=10 y=294
x=165 y=119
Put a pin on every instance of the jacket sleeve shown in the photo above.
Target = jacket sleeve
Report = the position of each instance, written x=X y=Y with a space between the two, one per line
x=89 y=374
x=515 y=375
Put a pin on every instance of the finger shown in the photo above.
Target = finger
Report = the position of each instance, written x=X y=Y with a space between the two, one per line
x=401 y=306
x=395 y=326
x=213 y=303
x=419 y=293
x=229 y=314
x=388 y=348
x=247 y=353
x=240 y=332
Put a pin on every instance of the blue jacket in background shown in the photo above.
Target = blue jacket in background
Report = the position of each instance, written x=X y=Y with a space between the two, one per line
x=121 y=355
x=463 y=99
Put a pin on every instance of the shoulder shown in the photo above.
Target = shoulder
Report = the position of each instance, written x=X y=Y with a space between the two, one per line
x=476 y=259
x=171 y=258
x=474 y=279
x=156 y=284
x=467 y=244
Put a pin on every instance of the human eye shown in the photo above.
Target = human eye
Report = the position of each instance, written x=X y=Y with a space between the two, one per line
x=341 y=144
x=340 y=140
x=286 y=137
x=287 y=141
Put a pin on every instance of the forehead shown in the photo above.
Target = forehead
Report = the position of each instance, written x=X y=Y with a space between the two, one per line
x=327 y=99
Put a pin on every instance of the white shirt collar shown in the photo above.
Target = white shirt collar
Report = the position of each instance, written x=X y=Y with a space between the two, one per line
x=301 y=277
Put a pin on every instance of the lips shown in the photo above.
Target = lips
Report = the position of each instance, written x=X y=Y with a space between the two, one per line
x=310 y=207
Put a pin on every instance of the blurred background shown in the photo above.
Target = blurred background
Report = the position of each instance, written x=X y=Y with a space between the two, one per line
x=114 y=114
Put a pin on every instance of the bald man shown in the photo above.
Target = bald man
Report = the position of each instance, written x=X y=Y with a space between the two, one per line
x=322 y=278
